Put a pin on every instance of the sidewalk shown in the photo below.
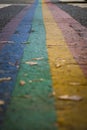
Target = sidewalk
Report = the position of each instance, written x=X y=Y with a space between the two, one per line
x=44 y=69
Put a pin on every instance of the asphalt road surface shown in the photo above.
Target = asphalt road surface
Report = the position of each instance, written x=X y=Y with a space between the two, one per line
x=40 y=28
x=77 y=10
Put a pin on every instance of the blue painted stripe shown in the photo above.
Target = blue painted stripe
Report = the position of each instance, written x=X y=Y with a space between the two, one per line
x=32 y=106
x=11 y=54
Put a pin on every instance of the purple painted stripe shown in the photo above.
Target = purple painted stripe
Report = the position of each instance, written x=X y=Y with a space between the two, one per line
x=74 y=33
x=10 y=28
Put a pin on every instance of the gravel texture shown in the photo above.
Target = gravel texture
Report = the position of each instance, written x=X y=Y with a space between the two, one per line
x=7 y=13
x=16 y=1
x=78 y=13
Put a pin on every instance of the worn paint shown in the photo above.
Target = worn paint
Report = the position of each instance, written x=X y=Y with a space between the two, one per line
x=65 y=71
x=32 y=105
x=10 y=57
x=74 y=33
x=10 y=28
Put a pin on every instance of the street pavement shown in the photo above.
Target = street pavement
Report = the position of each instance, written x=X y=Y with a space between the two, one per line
x=43 y=68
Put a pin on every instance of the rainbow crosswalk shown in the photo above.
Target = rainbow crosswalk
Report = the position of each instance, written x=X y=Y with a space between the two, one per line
x=47 y=71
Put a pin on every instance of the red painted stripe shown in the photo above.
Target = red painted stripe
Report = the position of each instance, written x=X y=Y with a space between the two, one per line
x=10 y=28
x=74 y=33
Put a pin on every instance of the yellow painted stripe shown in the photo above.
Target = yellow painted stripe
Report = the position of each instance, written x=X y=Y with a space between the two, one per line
x=67 y=77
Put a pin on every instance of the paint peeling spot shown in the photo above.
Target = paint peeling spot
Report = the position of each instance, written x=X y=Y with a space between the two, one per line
x=22 y=83
x=75 y=83
x=52 y=94
x=41 y=79
x=2 y=102
x=14 y=64
x=30 y=81
x=18 y=66
x=31 y=63
x=5 y=79
x=40 y=58
x=10 y=42
x=58 y=65
x=63 y=60
x=73 y=98
x=36 y=80
x=2 y=42
x=26 y=42
x=10 y=63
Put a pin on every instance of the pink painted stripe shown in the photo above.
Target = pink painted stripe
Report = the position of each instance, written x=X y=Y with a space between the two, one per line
x=74 y=33
x=10 y=28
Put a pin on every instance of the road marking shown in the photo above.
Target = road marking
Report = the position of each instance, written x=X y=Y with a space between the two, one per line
x=10 y=28
x=10 y=56
x=4 y=5
x=74 y=33
x=65 y=71
x=32 y=105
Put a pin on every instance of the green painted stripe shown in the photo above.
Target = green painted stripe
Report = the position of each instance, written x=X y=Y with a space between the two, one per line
x=32 y=106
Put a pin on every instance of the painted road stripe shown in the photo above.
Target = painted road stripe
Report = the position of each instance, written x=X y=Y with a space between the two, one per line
x=10 y=28
x=4 y=5
x=65 y=74
x=10 y=56
x=32 y=105
x=75 y=34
